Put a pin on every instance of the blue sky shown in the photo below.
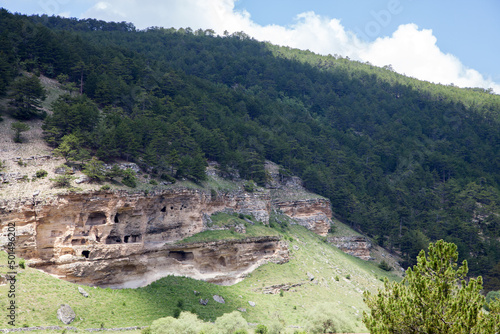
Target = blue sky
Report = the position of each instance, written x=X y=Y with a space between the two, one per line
x=446 y=41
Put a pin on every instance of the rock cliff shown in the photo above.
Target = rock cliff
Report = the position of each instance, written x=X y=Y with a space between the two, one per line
x=355 y=245
x=122 y=239
x=313 y=214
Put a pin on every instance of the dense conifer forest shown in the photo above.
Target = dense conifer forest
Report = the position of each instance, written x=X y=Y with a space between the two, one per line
x=404 y=161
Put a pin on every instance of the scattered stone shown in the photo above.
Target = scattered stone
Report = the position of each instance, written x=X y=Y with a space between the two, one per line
x=219 y=299
x=204 y=302
x=310 y=276
x=242 y=309
x=60 y=170
x=251 y=303
x=82 y=179
x=275 y=289
x=83 y=292
x=240 y=228
x=249 y=221
x=131 y=166
x=66 y=314
x=196 y=293
x=295 y=247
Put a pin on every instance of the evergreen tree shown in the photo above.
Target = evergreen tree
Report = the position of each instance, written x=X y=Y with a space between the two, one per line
x=27 y=94
x=19 y=127
x=94 y=169
x=71 y=149
x=434 y=297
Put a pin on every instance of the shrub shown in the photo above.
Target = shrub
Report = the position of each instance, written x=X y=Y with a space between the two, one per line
x=40 y=174
x=230 y=323
x=146 y=330
x=384 y=266
x=168 y=178
x=187 y=323
x=22 y=264
x=326 y=318
x=250 y=186
x=129 y=178
x=261 y=329
x=348 y=276
x=180 y=303
x=177 y=313
x=105 y=187
x=62 y=181
x=275 y=326
x=153 y=182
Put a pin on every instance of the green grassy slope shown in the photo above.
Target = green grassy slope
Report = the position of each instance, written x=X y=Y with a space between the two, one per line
x=39 y=295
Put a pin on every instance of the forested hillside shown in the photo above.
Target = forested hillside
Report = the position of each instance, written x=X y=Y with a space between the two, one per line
x=404 y=161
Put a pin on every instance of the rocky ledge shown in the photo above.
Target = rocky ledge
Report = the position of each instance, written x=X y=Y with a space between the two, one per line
x=355 y=245
x=122 y=239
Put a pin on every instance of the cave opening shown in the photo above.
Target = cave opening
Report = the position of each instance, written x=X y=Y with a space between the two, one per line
x=96 y=218
x=181 y=255
x=113 y=240
x=116 y=218
x=164 y=209
x=125 y=238
x=221 y=261
x=86 y=254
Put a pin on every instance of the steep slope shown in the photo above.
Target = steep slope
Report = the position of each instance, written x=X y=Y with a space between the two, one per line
x=405 y=162
x=339 y=280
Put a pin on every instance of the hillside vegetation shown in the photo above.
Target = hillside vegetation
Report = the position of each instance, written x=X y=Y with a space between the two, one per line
x=339 y=280
x=404 y=161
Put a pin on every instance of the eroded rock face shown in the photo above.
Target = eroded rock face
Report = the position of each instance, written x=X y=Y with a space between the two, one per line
x=222 y=262
x=128 y=240
x=356 y=245
x=313 y=214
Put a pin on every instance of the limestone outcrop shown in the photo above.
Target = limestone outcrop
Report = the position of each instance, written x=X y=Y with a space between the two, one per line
x=313 y=214
x=121 y=239
x=354 y=245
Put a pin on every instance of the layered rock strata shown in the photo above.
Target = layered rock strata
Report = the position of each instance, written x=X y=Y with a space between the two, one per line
x=313 y=214
x=222 y=262
x=122 y=239
x=355 y=245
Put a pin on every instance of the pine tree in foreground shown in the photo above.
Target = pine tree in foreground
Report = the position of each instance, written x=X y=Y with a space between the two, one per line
x=434 y=297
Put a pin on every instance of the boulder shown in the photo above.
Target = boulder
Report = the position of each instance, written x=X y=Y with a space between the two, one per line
x=82 y=179
x=204 y=302
x=251 y=303
x=83 y=292
x=66 y=314
x=219 y=299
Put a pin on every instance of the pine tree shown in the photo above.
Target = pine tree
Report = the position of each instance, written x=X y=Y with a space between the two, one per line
x=27 y=94
x=94 y=169
x=434 y=297
x=19 y=127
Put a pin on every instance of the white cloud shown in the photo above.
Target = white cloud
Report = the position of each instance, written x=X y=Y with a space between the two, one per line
x=409 y=50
